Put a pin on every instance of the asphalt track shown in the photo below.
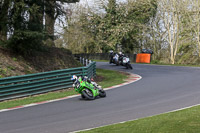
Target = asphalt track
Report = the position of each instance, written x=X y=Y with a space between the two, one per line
x=162 y=89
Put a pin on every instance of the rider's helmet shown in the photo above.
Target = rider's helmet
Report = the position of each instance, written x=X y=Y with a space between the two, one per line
x=120 y=53
x=74 y=78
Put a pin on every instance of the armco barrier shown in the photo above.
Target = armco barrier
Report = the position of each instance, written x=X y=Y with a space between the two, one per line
x=27 y=85
x=103 y=56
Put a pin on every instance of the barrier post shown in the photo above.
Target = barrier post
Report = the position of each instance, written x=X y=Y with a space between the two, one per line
x=86 y=62
x=83 y=62
x=80 y=59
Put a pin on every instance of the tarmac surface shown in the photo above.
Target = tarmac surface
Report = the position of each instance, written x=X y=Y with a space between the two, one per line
x=161 y=89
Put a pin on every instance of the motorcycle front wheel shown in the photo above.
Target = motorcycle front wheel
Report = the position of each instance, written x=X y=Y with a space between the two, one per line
x=83 y=97
x=102 y=93
x=129 y=65
x=87 y=93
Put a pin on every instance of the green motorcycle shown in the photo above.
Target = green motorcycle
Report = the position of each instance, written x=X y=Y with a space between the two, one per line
x=88 y=89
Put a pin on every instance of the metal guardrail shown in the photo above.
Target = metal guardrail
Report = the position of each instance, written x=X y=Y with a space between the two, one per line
x=103 y=56
x=32 y=84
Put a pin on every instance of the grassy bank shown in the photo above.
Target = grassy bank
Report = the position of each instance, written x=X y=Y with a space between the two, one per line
x=156 y=62
x=108 y=78
x=100 y=60
x=184 y=121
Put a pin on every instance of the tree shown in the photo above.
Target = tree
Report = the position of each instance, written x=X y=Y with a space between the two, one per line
x=116 y=24
x=139 y=15
x=24 y=21
x=128 y=23
x=176 y=26
x=190 y=32
x=4 y=5
x=79 y=35
x=194 y=19
x=24 y=25
x=54 y=9
x=171 y=18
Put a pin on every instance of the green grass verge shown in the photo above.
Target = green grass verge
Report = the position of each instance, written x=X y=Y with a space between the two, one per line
x=184 y=121
x=100 y=60
x=110 y=78
x=155 y=62
x=35 y=99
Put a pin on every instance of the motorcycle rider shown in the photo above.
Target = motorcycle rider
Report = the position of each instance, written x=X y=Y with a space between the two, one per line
x=115 y=58
x=85 y=78
x=126 y=62
x=111 y=55
x=121 y=55
x=74 y=78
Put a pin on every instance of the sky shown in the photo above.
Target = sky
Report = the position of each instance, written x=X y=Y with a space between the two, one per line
x=92 y=2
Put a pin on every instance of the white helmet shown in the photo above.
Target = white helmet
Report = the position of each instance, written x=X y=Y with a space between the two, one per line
x=74 y=77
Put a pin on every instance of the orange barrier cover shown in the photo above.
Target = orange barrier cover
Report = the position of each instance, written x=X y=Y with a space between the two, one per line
x=143 y=58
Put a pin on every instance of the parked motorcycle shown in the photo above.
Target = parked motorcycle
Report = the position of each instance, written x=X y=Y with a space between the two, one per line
x=87 y=88
x=126 y=62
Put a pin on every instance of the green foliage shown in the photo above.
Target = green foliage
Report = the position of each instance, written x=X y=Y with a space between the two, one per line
x=188 y=56
x=20 y=41
x=121 y=25
x=11 y=68
x=111 y=78
x=14 y=59
x=2 y=43
x=28 y=33
x=4 y=5
x=80 y=36
x=3 y=72
x=155 y=62
x=23 y=20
